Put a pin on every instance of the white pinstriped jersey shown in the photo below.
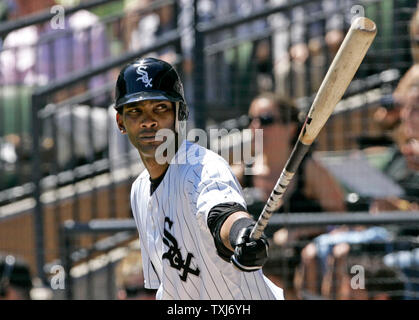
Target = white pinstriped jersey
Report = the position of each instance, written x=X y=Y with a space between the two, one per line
x=178 y=251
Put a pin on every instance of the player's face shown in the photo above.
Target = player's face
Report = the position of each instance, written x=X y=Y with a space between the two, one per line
x=142 y=120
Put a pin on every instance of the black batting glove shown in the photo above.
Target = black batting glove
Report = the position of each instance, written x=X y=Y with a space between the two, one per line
x=249 y=255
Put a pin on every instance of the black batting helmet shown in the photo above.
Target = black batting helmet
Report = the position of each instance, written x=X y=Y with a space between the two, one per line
x=150 y=79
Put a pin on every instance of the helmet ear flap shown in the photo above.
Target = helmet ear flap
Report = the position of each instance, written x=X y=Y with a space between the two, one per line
x=178 y=118
x=183 y=111
x=182 y=114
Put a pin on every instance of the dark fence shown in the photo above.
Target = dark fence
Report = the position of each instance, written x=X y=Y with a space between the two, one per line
x=122 y=234
x=65 y=158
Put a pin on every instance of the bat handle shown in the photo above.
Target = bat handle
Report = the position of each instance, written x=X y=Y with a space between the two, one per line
x=275 y=199
x=273 y=203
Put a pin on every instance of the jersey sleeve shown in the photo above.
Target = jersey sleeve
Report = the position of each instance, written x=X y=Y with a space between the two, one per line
x=211 y=184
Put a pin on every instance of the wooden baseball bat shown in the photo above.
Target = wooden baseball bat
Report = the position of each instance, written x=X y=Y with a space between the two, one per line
x=343 y=68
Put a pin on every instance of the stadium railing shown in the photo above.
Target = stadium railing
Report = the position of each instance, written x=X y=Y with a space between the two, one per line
x=84 y=282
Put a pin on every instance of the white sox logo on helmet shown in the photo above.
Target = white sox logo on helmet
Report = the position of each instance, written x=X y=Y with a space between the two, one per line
x=144 y=76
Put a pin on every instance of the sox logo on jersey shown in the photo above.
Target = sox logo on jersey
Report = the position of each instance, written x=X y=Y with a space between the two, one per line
x=175 y=256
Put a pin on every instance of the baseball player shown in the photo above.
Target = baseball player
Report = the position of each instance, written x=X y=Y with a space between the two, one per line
x=191 y=215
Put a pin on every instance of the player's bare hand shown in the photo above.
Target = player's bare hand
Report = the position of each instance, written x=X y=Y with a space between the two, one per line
x=250 y=255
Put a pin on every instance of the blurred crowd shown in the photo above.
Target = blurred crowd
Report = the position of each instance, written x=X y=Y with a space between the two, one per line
x=291 y=63
x=323 y=267
x=263 y=77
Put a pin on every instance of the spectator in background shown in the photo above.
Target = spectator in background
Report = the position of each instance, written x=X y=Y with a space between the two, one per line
x=403 y=168
x=389 y=118
x=278 y=117
x=130 y=279
x=15 y=279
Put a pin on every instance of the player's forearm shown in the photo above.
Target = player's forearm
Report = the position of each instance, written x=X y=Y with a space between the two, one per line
x=226 y=227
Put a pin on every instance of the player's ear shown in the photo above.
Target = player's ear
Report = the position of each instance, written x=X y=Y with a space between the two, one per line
x=120 y=123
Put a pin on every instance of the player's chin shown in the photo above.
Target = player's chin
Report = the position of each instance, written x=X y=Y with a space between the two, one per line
x=149 y=148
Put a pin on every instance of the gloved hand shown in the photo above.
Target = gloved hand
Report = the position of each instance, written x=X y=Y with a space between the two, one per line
x=249 y=255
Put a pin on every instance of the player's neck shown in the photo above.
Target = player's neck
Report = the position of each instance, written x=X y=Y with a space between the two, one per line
x=154 y=169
